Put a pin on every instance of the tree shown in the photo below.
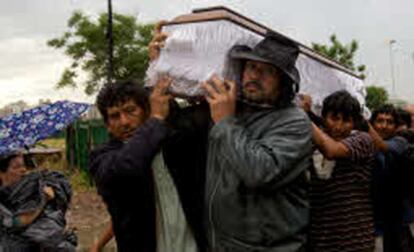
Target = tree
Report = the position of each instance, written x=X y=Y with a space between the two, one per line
x=85 y=43
x=341 y=53
x=376 y=96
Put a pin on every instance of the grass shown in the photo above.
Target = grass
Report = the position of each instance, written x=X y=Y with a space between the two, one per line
x=58 y=143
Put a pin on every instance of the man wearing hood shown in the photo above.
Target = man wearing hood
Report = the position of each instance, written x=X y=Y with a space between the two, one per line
x=259 y=149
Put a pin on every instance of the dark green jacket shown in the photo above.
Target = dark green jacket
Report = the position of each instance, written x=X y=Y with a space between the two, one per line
x=256 y=191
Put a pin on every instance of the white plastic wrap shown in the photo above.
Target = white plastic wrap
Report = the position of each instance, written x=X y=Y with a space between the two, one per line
x=195 y=51
x=318 y=80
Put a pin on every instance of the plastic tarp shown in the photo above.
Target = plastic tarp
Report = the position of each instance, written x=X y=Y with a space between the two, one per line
x=195 y=51
x=47 y=232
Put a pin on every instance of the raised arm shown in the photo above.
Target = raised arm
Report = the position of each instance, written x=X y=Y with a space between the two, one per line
x=27 y=218
x=379 y=143
x=136 y=154
x=330 y=148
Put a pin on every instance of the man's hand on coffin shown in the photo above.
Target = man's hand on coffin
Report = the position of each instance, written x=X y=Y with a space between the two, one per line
x=157 y=42
x=305 y=102
x=160 y=99
x=221 y=96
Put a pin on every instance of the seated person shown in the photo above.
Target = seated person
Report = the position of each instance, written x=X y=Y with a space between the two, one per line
x=32 y=208
x=12 y=169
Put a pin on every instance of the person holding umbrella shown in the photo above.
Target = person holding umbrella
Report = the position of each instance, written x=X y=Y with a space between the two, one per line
x=12 y=169
x=33 y=205
x=12 y=219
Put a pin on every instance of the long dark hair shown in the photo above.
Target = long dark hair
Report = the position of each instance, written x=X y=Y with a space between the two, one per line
x=287 y=88
x=5 y=161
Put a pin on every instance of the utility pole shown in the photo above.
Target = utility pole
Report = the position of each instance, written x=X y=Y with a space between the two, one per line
x=392 y=41
x=110 y=43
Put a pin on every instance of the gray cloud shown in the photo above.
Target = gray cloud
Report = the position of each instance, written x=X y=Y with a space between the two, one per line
x=28 y=66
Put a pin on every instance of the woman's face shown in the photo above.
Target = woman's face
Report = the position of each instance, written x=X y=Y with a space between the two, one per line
x=15 y=171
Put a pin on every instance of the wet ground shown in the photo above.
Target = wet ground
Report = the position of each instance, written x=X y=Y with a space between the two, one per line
x=88 y=216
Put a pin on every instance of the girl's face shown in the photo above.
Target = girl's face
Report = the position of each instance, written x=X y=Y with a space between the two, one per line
x=15 y=171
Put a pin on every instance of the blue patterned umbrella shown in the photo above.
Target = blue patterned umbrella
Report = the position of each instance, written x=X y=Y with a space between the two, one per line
x=24 y=129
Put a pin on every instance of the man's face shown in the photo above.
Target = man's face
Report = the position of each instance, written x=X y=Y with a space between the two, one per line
x=410 y=109
x=261 y=82
x=337 y=126
x=124 y=119
x=15 y=171
x=385 y=125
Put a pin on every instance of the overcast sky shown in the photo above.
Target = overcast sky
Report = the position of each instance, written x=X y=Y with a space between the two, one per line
x=29 y=69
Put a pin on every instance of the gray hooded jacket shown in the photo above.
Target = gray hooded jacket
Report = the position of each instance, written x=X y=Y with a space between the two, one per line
x=256 y=191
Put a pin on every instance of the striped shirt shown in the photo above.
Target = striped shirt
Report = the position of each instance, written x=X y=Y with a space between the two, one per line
x=341 y=208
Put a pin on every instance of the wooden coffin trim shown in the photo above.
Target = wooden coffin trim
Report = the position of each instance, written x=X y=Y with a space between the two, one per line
x=224 y=13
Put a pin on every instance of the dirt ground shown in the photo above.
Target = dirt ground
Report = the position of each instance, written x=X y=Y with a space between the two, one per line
x=88 y=217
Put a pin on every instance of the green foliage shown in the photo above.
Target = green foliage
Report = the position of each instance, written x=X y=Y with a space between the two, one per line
x=341 y=53
x=376 y=96
x=80 y=180
x=86 y=44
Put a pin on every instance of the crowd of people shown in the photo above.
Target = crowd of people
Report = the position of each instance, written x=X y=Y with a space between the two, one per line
x=247 y=168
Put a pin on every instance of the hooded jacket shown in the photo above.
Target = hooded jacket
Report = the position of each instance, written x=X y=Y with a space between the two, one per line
x=256 y=189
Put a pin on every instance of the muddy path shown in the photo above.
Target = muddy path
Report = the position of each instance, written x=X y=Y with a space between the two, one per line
x=88 y=216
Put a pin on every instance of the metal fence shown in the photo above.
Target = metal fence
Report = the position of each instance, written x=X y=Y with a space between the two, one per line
x=81 y=138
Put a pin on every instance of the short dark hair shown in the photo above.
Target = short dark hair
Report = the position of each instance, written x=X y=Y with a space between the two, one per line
x=404 y=117
x=342 y=102
x=5 y=161
x=120 y=92
x=388 y=109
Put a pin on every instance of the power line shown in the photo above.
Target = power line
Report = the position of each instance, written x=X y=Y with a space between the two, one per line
x=392 y=41
x=110 y=43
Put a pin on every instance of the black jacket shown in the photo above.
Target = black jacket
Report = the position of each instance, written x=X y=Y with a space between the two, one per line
x=123 y=175
x=47 y=232
x=185 y=154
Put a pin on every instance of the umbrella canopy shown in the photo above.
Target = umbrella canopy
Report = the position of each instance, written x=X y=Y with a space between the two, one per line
x=24 y=129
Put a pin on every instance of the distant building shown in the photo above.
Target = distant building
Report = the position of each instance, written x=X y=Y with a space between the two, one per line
x=13 y=108
x=92 y=113
x=44 y=102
